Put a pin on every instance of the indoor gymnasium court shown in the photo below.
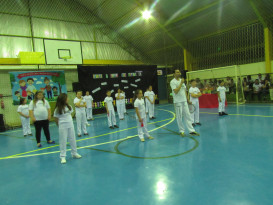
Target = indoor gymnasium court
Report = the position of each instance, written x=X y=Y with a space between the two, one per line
x=136 y=102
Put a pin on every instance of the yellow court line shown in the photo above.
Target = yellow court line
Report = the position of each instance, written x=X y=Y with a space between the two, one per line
x=20 y=129
x=19 y=155
x=215 y=113
x=86 y=138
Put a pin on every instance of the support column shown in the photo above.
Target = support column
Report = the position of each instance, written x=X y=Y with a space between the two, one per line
x=187 y=60
x=268 y=49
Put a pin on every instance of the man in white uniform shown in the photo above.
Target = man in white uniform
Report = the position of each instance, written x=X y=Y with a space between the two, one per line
x=80 y=106
x=194 y=95
x=221 y=91
x=180 y=104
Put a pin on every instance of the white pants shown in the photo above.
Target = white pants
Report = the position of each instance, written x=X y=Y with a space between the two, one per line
x=221 y=107
x=124 y=104
x=182 y=110
x=120 y=109
x=26 y=125
x=142 y=130
x=65 y=133
x=111 y=118
x=89 y=114
x=195 y=115
x=81 y=122
x=146 y=107
x=151 y=109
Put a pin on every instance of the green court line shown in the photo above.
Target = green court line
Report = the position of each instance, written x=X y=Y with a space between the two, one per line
x=164 y=157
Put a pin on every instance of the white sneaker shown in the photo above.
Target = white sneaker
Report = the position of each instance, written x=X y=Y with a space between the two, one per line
x=63 y=160
x=182 y=134
x=77 y=156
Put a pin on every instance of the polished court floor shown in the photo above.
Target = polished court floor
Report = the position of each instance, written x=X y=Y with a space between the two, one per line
x=231 y=163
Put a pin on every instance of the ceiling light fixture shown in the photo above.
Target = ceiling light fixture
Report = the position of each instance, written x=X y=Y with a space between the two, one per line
x=146 y=14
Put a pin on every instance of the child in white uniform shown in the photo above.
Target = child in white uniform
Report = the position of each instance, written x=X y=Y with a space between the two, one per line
x=124 y=103
x=40 y=114
x=151 y=102
x=64 y=121
x=146 y=94
x=89 y=105
x=141 y=116
x=180 y=104
x=110 y=110
x=24 y=115
x=120 y=105
x=80 y=106
x=221 y=91
x=194 y=95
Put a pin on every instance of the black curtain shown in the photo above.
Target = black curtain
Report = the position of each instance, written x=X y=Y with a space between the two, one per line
x=143 y=76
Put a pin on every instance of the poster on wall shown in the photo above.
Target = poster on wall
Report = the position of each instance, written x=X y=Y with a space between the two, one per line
x=26 y=84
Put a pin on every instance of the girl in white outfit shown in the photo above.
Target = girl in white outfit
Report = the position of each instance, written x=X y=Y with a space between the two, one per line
x=120 y=105
x=141 y=116
x=40 y=114
x=146 y=94
x=150 y=96
x=110 y=110
x=124 y=102
x=24 y=115
x=80 y=105
x=89 y=105
x=64 y=121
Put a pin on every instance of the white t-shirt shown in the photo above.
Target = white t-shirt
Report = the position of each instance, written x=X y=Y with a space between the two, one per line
x=181 y=95
x=151 y=96
x=79 y=109
x=141 y=107
x=222 y=91
x=120 y=95
x=24 y=110
x=123 y=100
x=109 y=101
x=40 y=110
x=195 y=91
x=65 y=119
x=88 y=99
x=257 y=88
